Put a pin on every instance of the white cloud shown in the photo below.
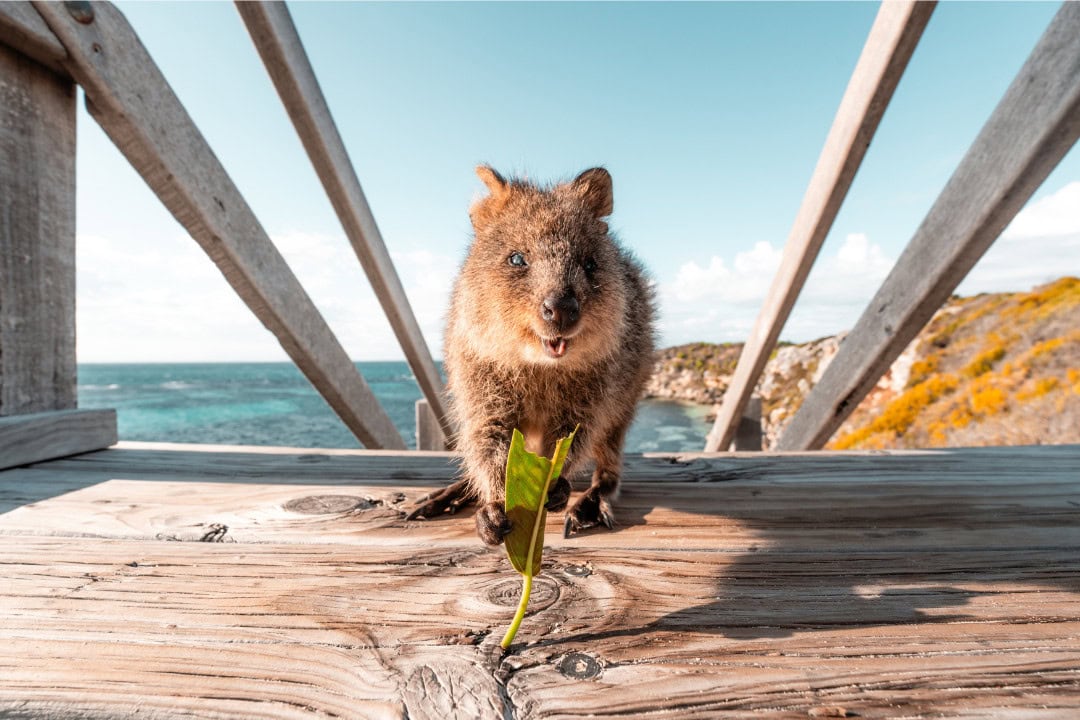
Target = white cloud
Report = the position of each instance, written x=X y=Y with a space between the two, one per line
x=1041 y=244
x=143 y=301
x=720 y=303
x=745 y=282
x=162 y=299
x=428 y=278
x=1052 y=216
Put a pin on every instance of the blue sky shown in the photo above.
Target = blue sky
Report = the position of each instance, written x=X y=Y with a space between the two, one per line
x=710 y=117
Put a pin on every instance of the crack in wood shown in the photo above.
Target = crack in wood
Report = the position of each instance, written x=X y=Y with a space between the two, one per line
x=215 y=533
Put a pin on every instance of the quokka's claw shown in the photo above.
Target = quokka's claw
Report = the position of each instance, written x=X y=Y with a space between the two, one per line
x=590 y=510
x=607 y=518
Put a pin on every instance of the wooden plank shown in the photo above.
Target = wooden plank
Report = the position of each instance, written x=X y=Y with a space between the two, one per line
x=97 y=627
x=22 y=29
x=35 y=437
x=814 y=513
x=282 y=52
x=1031 y=129
x=131 y=100
x=889 y=46
x=429 y=435
x=992 y=465
x=949 y=586
x=919 y=481
x=37 y=237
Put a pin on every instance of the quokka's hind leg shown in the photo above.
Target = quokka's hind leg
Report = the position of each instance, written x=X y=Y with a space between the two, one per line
x=594 y=506
x=448 y=500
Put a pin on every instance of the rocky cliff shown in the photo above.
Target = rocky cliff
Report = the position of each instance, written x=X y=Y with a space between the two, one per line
x=994 y=369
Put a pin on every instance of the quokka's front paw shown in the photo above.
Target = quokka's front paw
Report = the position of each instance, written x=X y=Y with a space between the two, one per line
x=492 y=525
x=558 y=495
x=447 y=500
x=590 y=510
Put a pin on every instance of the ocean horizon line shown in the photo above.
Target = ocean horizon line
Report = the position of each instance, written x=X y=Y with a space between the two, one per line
x=223 y=362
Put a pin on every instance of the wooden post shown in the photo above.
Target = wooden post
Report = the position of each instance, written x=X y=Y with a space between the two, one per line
x=1031 y=129
x=748 y=435
x=37 y=237
x=892 y=40
x=275 y=37
x=429 y=435
x=131 y=100
x=37 y=262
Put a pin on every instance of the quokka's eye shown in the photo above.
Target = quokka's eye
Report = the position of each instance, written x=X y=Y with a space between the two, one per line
x=589 y=265
x=517 y=260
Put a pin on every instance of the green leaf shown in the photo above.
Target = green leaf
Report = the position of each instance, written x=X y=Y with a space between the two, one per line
x=528 y=479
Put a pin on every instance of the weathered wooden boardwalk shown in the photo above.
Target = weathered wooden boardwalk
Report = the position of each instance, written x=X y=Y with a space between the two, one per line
x=919 y=584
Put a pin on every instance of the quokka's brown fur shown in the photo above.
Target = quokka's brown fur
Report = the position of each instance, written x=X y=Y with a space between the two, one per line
x=550 y=327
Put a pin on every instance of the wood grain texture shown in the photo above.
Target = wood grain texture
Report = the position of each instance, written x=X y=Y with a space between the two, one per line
x=31 y=438
x=131 y=100
x=278 y=43
x=889 y=46
x=23 y=30
x=936 y=584
x=1030 y=130
x=37 y=237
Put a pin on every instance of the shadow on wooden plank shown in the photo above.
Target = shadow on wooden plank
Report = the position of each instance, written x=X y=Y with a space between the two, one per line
x=895 y=558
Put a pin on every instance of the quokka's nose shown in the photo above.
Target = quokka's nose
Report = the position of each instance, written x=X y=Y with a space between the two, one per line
x=562 y=312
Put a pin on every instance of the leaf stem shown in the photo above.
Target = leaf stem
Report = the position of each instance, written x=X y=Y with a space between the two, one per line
x=526 y=590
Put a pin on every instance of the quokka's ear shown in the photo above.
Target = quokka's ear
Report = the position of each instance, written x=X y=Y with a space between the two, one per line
x=486 y=208
x=594 y=188
x=494 y=181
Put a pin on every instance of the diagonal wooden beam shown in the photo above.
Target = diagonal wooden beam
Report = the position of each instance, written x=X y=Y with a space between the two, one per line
x=131 y=100
x=1031 y=129
x=892 y=40
x=23 y=29
x=278 y=43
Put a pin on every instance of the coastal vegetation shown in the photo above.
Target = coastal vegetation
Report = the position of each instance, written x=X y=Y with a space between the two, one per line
x=992 y=369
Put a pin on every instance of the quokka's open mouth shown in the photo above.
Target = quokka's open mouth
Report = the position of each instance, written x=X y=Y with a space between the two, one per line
x=555 y=347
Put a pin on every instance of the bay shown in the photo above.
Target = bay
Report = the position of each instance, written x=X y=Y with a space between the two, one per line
x=274 y=404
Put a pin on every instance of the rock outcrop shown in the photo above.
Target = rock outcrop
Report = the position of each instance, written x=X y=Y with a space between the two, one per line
x=991 y=369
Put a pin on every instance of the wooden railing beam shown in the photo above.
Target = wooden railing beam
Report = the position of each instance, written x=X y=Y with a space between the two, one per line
x=892 y=40
x=22 y=29
x=282 y=52
x=1030 y=130
x=135 y=106
x=36 y=437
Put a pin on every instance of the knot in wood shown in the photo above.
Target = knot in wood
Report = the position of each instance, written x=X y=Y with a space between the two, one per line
x=578 y=570
x=579 y=666
x=328 y=504
x=80 y=11
x=507 y=593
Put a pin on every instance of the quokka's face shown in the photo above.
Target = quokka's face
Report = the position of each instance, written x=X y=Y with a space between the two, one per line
x=544 y=279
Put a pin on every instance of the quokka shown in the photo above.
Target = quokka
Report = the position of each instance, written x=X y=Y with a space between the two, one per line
x=550 y=327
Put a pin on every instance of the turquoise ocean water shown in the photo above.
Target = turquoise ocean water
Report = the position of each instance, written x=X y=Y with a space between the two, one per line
x=273 y=404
